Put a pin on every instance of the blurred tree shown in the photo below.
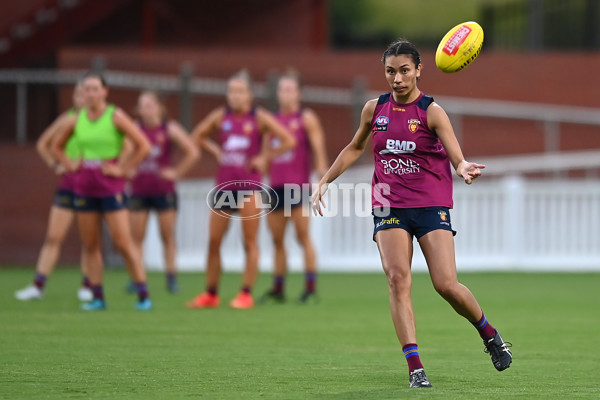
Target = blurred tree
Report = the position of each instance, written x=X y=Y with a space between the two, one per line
x=534 y=25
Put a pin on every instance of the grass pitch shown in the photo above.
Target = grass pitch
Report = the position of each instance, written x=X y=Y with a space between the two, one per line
x=342 y=348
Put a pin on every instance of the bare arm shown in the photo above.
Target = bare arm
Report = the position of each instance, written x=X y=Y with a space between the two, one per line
x=204 y=128
x=269 y=124
x=316 y=137
x=439 y=123
x=127 y=152
x=44 y=143
x=63 y=133
x=347 y=156
x=190 y=152
x=133 y=134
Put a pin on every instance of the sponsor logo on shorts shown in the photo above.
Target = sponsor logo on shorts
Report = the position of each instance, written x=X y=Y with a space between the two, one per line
x=64 y=200
x=387 y=221
x=444 y=217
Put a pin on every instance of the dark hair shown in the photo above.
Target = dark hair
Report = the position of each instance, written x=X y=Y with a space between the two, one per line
x=402 y=46
x=93 y=74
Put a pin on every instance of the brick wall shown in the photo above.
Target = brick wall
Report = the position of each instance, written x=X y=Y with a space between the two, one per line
x=27 y=187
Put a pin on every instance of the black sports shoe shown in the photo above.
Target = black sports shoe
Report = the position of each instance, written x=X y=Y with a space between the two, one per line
x=272 y=295
x=306 y=296
x=499 y=350
x=418 y=379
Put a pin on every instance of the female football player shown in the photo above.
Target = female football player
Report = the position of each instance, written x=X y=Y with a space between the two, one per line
x=100 y=130
x=241 y=127
x=153 y=186
x=414 y=147
x=290 y=179
x=62 y=211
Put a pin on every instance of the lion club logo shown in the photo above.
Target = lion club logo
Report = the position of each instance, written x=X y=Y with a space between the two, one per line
x=413 y=125
x=443 y=215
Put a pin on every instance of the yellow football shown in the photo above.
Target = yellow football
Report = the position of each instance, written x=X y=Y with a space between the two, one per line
x=459 y=47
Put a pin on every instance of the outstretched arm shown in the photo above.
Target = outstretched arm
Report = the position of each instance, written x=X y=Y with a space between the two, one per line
x=439 y=123
x=347 y=156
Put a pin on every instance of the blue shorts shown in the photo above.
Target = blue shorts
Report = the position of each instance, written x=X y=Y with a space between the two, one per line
x=416 y=221
x=100 y=204
x=64 y=199
x=159 y=203
x=288 y=198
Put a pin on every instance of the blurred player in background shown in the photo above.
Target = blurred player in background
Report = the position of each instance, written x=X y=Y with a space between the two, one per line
x=241 y=127
x=100 y=130
x=414 y=144
x=62 y=211
x=153 y=186
x=290 y=179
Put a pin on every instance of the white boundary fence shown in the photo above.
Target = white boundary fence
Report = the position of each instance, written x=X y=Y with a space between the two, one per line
x=503 y=224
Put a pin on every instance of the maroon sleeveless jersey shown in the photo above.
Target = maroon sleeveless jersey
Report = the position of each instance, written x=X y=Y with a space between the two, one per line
x=293 y=166
x=240 y=141
x=148 y=181
x=412 y=168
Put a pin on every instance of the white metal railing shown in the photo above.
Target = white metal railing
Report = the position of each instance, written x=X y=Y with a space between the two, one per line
x=507 y=223
x=186 y=85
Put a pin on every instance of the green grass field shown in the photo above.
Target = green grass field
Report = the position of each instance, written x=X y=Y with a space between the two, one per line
x=342 y=348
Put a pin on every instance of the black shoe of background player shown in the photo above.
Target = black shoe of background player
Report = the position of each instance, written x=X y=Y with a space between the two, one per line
x=272 y=296
x=308 y=296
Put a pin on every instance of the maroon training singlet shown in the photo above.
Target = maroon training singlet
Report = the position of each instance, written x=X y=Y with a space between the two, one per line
x=147 y=181
x=412 y=169
x=293 y=166
x=240 y=141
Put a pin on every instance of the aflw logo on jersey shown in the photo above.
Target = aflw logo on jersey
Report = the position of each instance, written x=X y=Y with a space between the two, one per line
x=381 y=123
x=398 y=147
